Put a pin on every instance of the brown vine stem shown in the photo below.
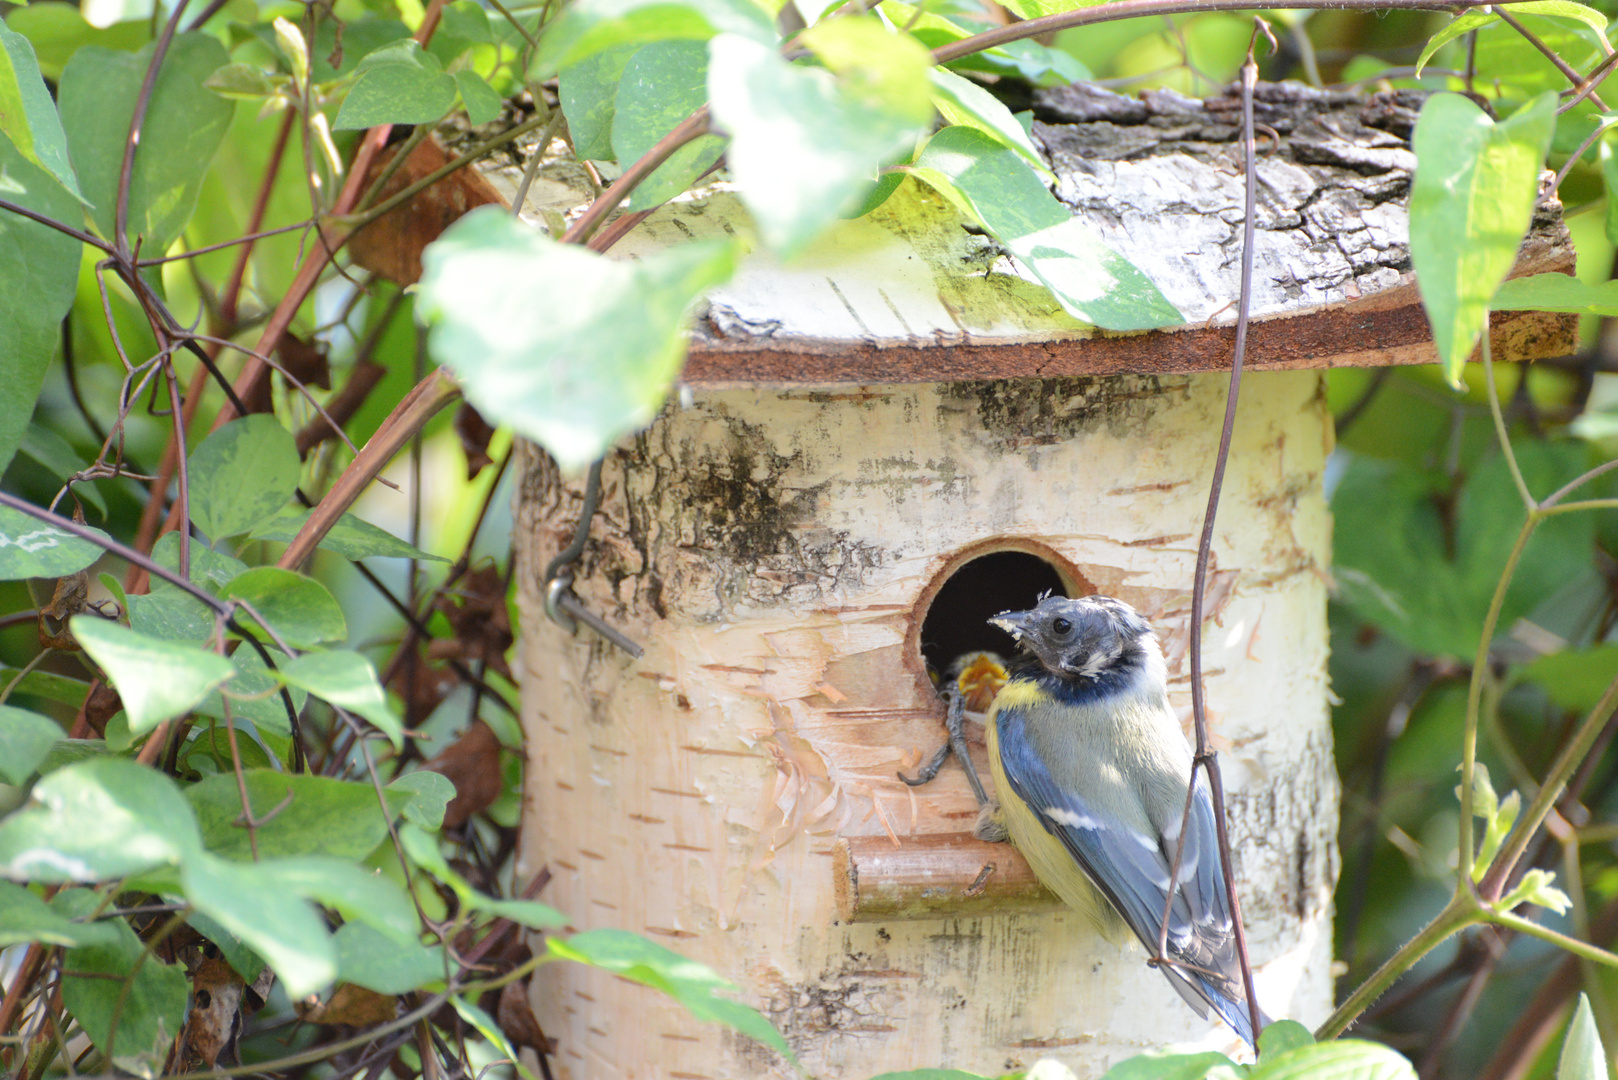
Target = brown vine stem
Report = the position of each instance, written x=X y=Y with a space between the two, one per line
x=423 y=402
x=691 y=128
x=1132 y=9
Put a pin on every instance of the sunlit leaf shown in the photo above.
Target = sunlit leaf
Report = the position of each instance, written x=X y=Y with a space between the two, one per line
x=184 y=124
x=30 y=548
x=347 y=680
x=97 y=820
x=397 y=84
x=1557 y=292
x=571 y=349
x=27 y=113
x=805 y=144
x=1470 y=206
x=241 y=475
x=588 y=91
x=588 y=27
x=693 y=985
x=482 y=103
x=25 y=739
x=247 y=900
x=662 y=84
x=352 y=537
x=299 y=610
x=24 y=917
x=157 y=680
x=964 y=102
x=1343 y=1058
x=298 y=815
x=1468 y=21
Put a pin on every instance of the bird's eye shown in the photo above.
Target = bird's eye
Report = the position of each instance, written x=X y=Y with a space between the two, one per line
x=1061 y=626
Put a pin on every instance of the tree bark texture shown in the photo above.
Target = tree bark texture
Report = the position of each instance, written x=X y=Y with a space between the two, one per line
x=775 y=550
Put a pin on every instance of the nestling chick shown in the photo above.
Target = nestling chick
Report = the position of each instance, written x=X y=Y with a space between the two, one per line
x=1091 y=769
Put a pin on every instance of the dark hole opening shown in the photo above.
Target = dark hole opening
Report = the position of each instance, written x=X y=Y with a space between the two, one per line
x=957 y=621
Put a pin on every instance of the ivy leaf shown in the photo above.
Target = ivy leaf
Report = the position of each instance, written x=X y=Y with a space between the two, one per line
x=30 y=548
x=97 y=820
x=1471 y=203
x=377 y=962
x=570 y=348
x=248 y=901
x=300 y=610
x=805 y=145
x=1468 y=21
x=964 y=102
x=397 y=84
x=693 y=985
x=241 y=475
x=250 y=696
x=25 y=918
x=662 y=84
x=995 y=185
x=313 y=815
x=1582 y=1056
x=355 y=891
x=1556 y=292
x=157 y=680
x=185 y=123
x=482 y=103
x=586 y=28
x=119 y=995
x=588 y=91
x=27 y=113
x=348 y=681
x=352 y=537
x=1340 y=1058
x=25 y=739
x=429 y=793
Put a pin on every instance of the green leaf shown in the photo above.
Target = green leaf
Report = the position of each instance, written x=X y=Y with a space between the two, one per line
x=1425 y=572
x=209 y=568
x=588 y=91
x=1472 y=20
x=41 y=268
x=44 y=684
x=1499 y=815
x=429 y=793
x=806 y=146
x=185 y=122
x=348 y=681
x=1582 y=1057
x=245 y=82
x=693 y=985
x=1556 y=292
x=964 y=102
x=1609 y=181
x=247 y=900
x=57 y=31
x=1344 y=1059
x=300 y=610
x=377 y=962
x=245 y=961
x=352 y=537
x=1090 y=280
x=27 y=113
x=97 y=820
x=358 y=893
x=423 y=850
x=316 y=816
x=484 y=1024
x=112 y=984
x=570 y=348
x=24 y=917
x=241 y=475
x=662 y=84
x=482 y=103
x=170 y=615
x=1470 y=206
x=930 y=1074
x=1282 y=1036
x=1574 y=679
x=29 y=548
x=157 y=680
x=1159 y=1065
x=529 y=913
x=588 y=27
x=25 y=739
x=250 y=694
x=57 y=457
x=397 y=84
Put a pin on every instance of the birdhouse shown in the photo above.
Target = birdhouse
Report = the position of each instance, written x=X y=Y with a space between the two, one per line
x=876 y=447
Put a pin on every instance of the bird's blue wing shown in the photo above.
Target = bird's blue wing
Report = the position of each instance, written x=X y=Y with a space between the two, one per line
x=1132 y=869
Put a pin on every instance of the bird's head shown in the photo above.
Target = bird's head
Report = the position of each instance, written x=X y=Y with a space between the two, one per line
x=1084 y=638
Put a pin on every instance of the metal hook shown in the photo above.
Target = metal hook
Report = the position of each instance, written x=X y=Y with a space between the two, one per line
x=562 y=605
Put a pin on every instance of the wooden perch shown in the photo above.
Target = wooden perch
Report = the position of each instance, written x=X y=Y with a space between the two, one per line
x=929 y=877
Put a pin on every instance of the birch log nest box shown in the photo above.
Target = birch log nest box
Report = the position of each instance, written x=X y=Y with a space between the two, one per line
x=876 y=447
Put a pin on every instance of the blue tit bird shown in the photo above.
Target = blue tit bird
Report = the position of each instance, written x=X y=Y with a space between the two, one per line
x=1092 y=769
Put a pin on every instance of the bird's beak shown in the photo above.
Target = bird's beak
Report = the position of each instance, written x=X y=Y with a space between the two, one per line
x=1014 y=623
